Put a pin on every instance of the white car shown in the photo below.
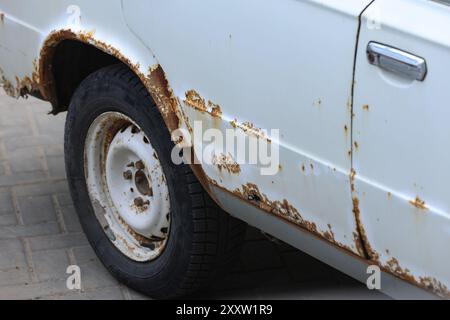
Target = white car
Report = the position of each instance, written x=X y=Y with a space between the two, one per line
x=321 y=122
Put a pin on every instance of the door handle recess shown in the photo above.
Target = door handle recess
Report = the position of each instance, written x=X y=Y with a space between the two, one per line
x=397 y=61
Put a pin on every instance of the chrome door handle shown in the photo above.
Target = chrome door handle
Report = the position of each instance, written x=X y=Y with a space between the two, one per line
x=397 y=61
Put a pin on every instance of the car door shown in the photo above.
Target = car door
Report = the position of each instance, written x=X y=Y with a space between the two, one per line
x=272 y=64
x=402 y=134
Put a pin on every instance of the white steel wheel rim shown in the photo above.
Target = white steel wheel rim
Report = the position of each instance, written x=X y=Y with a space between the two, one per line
x=127 y=186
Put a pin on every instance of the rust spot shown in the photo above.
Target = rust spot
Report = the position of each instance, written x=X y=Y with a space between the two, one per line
x=2 y=17
x=6 y=84
x=428 y=283
x=303 y=167
x=366 y=107
x=250 y=129
x=317 y=103
x=419 y=203
x=329 y=235
x=393 y=266
x=283 y=209
x=140 y=165
x=346 y=129
x=226 y=163
x=140 y=205
x=250 y=192
x=215 y=109
x=356 y=145
x=128 y=175
x=352 y=179
x=194 y=100
x=23 y=86
x=435 y=286
x=152 y=242
x=158 y=86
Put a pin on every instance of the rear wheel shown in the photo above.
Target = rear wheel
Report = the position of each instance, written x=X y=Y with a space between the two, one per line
x=150 y=221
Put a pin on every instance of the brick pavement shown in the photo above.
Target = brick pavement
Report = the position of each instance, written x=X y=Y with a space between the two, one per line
x=40 y=235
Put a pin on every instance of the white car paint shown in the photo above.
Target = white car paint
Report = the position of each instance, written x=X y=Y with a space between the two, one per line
x=402 y=133
x=265 y=58
x=289 y=65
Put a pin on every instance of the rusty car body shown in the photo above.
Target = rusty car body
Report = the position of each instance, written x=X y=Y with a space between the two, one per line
x=363 y=162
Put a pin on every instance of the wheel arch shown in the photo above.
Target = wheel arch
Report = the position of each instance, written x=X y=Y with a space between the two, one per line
x=54 y=74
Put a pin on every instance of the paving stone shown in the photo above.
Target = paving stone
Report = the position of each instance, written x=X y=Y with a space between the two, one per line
x=56 y=166
x=14 y=131
x=137 y=296
x=8 y=220
x=93 y=273
x=36 y=209
x=54 y=150
x=33 y=291
x=12 y=254
x=108 y=293
x=15 y=276
x=28 y=142
x=26 y=160
x=42 y=188
x=23 y=178
x=65 y=199
x=15 y=232
x=6 y=204
x=51 y=265
x=58 y=241
x=48 y=124
x=71 y=219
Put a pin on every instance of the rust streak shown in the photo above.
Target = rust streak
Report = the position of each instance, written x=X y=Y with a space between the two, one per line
x=419 y=203
x=362 y=241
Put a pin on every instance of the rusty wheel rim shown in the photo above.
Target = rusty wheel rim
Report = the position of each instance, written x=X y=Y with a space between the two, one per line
x=127 y=186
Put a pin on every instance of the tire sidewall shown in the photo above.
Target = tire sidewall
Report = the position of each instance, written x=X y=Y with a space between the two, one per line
x=95 y=97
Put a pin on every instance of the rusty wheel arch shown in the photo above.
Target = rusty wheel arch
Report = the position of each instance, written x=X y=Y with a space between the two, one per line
x=154 y=81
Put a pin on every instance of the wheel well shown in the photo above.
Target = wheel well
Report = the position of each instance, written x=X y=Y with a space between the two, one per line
x=71 y=63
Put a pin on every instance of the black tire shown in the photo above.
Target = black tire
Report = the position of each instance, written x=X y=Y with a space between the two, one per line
x=203 y=242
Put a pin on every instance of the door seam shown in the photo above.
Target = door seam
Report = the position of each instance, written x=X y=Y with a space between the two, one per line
x=362 y=237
